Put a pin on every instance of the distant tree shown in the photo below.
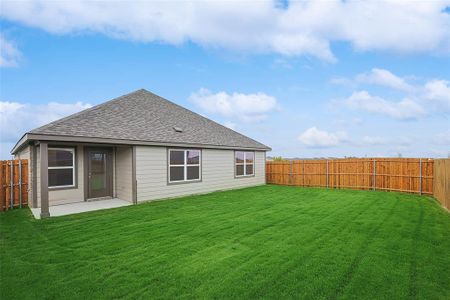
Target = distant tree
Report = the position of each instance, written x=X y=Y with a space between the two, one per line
x=277 y=158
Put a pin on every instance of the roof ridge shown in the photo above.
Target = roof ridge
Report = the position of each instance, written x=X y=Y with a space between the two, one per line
x=85 y=111
x=203 y=117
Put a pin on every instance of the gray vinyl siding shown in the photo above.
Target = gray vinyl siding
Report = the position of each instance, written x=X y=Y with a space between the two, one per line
x=123 y=173
x=217 y=173
x=69 y=195
x=24 y=153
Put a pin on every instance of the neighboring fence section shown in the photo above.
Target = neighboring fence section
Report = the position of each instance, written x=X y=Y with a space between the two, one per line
x=411 y=175
x=13 y=183
x=441 y=186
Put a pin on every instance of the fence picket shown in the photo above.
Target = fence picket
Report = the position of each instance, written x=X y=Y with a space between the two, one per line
x=441 y=183
x=387 y=174
x=13 y=183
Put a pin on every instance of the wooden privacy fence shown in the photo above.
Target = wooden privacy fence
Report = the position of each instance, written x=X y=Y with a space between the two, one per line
x=441 y=185
x=13 y=183
x=412 y=175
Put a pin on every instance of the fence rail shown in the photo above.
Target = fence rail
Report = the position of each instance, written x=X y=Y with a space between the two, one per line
x=13 y=183
x=411 y=175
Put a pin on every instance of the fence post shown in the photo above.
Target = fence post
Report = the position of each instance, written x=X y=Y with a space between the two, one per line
x=420 y=177
x=11 y=184
x=374 y=174
x=327 y=174
x=290 y=172
x=20 y=183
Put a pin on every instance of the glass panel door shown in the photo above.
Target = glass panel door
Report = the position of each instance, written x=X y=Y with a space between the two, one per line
x=99 y=173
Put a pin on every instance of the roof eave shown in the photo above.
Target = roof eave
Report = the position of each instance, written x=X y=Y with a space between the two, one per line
x=79 y=139
x=20 y=143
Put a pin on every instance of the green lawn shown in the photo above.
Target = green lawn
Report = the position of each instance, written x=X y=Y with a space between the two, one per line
x=263 y=242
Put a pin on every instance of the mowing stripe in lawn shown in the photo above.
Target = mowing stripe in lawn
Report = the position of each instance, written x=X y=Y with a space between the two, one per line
x=261 y=242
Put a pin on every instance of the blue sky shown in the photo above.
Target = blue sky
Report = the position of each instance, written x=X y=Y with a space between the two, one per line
x=279 y=74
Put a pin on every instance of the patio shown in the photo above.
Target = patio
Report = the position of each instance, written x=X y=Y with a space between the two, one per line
x=80 y=207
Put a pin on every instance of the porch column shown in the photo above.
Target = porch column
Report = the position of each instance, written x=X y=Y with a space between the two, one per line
x=44 y=179
x=133 y=175
x=33 y=169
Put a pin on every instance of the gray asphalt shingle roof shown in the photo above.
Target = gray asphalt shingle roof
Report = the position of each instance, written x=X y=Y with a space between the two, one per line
x=144 y=116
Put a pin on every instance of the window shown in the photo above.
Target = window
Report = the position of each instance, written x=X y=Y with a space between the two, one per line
x=184 y=165
x=244 y=163
x=61 y=167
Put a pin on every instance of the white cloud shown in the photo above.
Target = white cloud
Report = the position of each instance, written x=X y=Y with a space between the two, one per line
x=374 y=140
x=376 y=76
x=438 y=92
x=18 y=118
x=316 y=138
x=442 y=138
x=385 y=78
x=9 y=54
x=430 y=96
x=301 y=28
x=405 y=109
x=244 y=107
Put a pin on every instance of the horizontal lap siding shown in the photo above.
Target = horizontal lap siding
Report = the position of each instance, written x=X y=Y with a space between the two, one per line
x=217 y=173
x=124 y=173
x=64 y=196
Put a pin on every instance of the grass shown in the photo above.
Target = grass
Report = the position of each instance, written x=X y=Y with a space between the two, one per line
x=262 y=242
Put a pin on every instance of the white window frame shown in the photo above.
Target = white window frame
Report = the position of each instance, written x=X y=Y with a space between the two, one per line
x=185 y=166
x=72 y=150
x=244 y=163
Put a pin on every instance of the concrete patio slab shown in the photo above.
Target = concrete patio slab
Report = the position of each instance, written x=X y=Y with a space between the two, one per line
x=80 y=207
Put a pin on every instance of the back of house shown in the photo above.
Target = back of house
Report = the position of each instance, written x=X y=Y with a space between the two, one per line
x=137 y=147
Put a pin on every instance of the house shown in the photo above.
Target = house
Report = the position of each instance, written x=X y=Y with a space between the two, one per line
x=137 y=147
